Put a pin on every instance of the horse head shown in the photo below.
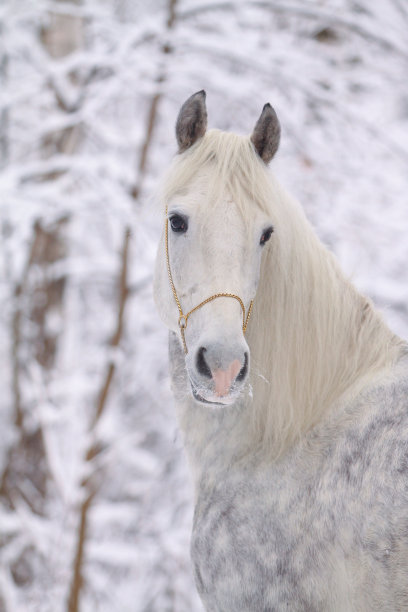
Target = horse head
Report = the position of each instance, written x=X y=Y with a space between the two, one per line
x=208 y=261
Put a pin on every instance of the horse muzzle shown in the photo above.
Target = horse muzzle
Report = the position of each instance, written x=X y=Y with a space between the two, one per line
x=218 y=374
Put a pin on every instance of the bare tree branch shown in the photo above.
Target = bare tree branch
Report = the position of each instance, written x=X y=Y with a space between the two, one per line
x=123 y=294
x=88 y=485
x=16 y=385
x=26 y=457
x=154 y=104
x=335 y=20
x=4 y=112
x=306 y=12
x=77 y=579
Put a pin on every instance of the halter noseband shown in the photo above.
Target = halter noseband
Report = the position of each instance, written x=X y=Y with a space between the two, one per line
x=183 y=318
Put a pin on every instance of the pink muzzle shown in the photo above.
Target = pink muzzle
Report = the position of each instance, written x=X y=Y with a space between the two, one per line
x=224 y=378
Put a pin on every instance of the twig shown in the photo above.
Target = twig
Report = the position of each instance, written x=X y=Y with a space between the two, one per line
x=77 y=580
x=347 y=23
x=15 y=379
x=307 y=12
x=4 y=112
x=88 y=485
x=123 y=293
x=153 y=109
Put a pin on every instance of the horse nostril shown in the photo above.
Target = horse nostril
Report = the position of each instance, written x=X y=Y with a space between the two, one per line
x=244 y=369
x=201 y=363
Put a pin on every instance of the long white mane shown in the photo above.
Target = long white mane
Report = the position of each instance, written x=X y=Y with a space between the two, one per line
x=312 y=336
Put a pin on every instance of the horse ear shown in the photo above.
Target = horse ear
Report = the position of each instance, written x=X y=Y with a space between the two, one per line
x=192 y=121
x=266 y=134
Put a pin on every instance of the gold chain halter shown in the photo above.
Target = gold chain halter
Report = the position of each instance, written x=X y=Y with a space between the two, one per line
x=183 y=318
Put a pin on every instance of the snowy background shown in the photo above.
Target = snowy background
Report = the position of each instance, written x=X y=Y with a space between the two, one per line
x=95 y=496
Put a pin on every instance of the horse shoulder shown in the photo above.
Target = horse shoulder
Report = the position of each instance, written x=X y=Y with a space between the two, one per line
x=331 y=513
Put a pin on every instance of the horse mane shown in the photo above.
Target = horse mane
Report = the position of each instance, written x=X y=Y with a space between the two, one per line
x=312 y=336
x=235 y=170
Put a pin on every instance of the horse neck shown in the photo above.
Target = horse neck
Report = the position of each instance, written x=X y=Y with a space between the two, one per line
x=313 y=339
x=214 y=439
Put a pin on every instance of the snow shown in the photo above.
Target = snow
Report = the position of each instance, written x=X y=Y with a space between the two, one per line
x=72 y=131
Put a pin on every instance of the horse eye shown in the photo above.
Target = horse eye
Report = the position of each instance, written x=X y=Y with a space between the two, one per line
x=178 y=224
x=266 y=235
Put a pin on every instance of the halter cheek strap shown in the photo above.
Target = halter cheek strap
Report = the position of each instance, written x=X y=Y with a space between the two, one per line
x=183 y=317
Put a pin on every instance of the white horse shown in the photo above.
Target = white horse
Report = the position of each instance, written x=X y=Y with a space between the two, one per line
x=297 y=430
